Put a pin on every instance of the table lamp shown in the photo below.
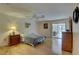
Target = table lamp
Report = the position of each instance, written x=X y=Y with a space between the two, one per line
x=13 y=28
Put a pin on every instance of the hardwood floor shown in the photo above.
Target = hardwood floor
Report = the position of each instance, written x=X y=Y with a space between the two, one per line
x=24 y=49
x=66 y=53
x=57 y=47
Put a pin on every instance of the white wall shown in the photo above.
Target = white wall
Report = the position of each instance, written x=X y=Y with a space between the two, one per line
x=76 y=38
x=47 y=32
x=33 y=27
x=7 y=21
x=41 y=30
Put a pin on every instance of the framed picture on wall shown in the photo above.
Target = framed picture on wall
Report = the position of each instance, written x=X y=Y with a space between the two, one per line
x=45 y=25
x=27 y=25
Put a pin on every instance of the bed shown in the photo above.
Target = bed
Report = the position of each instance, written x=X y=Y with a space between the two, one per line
x=33 y=39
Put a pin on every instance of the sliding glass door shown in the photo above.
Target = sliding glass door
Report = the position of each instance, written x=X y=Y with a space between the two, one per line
x=57 y=30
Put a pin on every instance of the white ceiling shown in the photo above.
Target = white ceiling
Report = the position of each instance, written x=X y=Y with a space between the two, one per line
x=51 y=11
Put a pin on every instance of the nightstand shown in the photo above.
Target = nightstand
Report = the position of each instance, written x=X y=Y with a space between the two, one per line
x=14 y=39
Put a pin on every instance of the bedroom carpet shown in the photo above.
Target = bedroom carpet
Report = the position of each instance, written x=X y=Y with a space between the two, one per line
x=24 y=49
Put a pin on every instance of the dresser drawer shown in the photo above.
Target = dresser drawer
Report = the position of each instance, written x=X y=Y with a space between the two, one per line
x=14 y=39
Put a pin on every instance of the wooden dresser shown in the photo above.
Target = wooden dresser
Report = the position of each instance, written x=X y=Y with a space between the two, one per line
x=67 y=41
x=14 y=39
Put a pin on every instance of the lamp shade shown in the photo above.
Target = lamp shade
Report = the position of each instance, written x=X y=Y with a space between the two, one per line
x=13 y=28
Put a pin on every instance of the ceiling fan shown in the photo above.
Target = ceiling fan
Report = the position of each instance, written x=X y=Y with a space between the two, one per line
x=37 y=16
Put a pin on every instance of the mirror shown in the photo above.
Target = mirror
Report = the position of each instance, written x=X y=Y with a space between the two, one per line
x=76 y=15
